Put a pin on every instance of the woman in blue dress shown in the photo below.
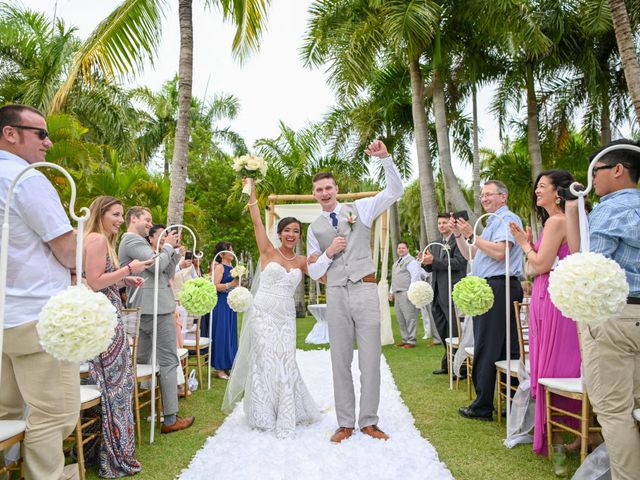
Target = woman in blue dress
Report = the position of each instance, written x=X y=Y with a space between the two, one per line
x=225 y=320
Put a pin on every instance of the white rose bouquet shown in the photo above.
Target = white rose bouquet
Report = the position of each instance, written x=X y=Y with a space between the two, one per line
x=240 y=299
x=420 y=293
x=77 y=324
x=238 y=271
x=588 y=287
x=250 y=166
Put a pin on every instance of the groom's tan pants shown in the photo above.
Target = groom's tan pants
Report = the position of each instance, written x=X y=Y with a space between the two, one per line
x=353 y=313
x=611 y=362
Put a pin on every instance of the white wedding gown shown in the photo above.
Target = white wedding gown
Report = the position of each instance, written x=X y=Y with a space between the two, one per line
x=276 y=398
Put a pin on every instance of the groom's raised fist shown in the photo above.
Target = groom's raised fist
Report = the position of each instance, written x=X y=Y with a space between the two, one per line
x=377 y=149
x=338 y=245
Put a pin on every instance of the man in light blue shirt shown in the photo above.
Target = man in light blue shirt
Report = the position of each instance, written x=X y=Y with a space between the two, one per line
x=611 y=349
x=489 y=262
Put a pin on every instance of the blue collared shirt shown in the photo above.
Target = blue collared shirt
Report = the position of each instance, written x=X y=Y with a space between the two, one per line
x=485 y=266
x=614 y=231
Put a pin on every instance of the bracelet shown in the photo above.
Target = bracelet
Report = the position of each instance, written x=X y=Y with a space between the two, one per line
x=129 y=268
x=252 y=204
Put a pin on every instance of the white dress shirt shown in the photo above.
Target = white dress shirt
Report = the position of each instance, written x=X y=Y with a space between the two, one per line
x=36 y=217
x=368 y=210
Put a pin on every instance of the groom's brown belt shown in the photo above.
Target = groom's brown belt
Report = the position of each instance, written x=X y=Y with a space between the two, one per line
x=371 y=278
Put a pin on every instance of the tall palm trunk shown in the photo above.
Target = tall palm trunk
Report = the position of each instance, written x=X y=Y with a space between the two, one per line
x=425 y=168
x=533 y=137
x=628 y=54
x=605 y=119
x=452 y=191
x=475 y=182
x=395 y=228
x=181 y=147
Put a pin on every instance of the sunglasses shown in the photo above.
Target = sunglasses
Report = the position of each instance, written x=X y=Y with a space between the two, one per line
x=42 y=133
x=601 y=167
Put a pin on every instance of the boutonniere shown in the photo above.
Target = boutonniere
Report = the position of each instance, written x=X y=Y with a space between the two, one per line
x=351 y=219
x=447 y=247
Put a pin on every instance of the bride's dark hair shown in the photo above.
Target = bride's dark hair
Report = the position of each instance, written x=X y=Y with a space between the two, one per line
x=286 y=221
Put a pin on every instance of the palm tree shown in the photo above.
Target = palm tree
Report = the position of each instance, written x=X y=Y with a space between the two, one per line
x=628 y=54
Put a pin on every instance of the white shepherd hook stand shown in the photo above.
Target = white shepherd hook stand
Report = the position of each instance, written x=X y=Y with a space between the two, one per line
x=4 y=249
x=211 y=314
x=507 y=287
x=445 y=248
x=581 y=194
x=154 y=337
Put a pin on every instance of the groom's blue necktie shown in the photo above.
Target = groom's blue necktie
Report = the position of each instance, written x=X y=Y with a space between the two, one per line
x=334 y=219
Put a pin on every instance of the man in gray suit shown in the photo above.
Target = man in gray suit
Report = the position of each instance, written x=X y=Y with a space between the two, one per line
x=405 y=271
x=342 y=238
x=436 y=262
x=134 y=245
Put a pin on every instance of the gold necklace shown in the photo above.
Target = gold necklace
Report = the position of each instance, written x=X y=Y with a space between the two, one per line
x=286 y=258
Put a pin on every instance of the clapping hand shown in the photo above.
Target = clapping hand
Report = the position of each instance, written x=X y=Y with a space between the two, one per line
x=521 y=236
x=425 y=258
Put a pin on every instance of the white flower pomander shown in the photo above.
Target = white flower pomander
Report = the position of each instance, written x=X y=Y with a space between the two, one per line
x=77 y=324
x=420 y=293
x=588 y=287
x=240 y=299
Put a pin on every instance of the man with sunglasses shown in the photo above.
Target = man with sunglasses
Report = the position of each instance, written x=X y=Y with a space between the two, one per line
x=611 y=349
x=42 y=248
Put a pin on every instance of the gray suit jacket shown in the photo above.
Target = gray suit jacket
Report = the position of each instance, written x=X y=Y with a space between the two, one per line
x=135 y=247
x=440 y=277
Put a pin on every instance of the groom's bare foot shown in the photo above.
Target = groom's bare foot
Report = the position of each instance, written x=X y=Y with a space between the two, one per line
x=341 y=434
x=375 y=432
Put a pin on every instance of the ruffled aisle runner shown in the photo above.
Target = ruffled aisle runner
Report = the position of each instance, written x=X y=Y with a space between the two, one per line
x=237 y=452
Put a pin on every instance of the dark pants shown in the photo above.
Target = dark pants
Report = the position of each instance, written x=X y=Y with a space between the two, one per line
x=440 y=313
x=489 y=335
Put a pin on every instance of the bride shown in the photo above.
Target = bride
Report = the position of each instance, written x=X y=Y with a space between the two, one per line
x=275 y=396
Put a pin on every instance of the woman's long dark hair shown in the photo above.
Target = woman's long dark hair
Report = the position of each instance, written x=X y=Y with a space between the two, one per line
x=220 y=246
x=559 y=178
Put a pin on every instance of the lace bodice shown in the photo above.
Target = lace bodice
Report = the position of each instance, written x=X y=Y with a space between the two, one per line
x=276 y=280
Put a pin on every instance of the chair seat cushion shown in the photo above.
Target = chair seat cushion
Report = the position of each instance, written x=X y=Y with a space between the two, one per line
x=455 y=341
x=191 y=342
x=502 y=365
x=573 y=385
x=11 y=428
x=84 y=368
x=182 y=353
x=469 y=351
x=89 y=393
x=144 y=370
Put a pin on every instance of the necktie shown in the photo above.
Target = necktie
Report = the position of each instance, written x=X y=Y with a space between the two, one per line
x=334 y=219
x=399 y=260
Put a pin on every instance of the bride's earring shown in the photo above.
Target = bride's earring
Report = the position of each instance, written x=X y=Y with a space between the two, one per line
x=558 y=200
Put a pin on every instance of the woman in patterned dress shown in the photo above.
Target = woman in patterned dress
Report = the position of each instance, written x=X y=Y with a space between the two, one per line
x=112 y=370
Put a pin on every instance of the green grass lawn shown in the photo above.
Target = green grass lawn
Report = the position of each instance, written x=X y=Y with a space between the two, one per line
x=471 y=449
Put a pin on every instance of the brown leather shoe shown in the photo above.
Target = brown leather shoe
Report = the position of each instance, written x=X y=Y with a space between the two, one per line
x=341 y=434
x=409 y=345
x=181 y=424
x=401 y=344
x=375 y=432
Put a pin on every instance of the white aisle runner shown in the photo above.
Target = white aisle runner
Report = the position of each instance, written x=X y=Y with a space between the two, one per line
x=237 y=452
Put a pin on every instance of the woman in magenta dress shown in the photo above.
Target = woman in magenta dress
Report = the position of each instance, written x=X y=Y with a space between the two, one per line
x=554 y=350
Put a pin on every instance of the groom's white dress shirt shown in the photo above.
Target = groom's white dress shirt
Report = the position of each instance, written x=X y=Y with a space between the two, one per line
x=368 y=210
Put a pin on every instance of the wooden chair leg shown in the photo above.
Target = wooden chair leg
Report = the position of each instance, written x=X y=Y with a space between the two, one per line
x=199 y=363
x=80 y=447
x=547 y=396
x=584 y=429
x=469 y=373
x=136 y=411
x=499 y=395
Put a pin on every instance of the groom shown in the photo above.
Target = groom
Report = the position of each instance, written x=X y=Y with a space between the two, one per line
x=342 y=238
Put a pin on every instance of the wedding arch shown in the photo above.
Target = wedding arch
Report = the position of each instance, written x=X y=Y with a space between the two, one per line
x=306 y=209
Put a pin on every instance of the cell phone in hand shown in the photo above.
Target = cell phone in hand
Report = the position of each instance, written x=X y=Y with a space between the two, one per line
x=461 y=214
x=188 y=255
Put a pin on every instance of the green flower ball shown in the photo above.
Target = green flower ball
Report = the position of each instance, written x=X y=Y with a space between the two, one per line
x=473 y=295
x=198 y=296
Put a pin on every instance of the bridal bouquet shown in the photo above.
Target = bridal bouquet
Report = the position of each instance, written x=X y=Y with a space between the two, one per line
x=250 y=166
x=240 y=299
x=198 y=296
x=420 y=293
x=238 y=271
x=588 y=287
x=77 y=324
x=472 y=295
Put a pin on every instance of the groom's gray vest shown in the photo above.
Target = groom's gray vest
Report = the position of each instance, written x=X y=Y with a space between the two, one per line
x=356 y=260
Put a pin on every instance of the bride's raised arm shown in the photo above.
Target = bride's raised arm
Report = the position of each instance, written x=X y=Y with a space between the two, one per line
x=262 y=239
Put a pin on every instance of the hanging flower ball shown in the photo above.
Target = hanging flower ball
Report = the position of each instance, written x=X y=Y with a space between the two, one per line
x=77 y=324
x=420 y=293
x=473 y=295
x=588 y=287
x=240 y=299
x=198 y=296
